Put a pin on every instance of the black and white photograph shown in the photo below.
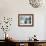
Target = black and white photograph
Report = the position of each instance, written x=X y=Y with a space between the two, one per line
x=25 y=19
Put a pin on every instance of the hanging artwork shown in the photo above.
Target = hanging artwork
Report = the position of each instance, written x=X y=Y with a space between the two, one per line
x=25 y=20
x=36 y=3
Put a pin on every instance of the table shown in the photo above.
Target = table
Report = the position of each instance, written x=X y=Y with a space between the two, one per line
x=27 y=42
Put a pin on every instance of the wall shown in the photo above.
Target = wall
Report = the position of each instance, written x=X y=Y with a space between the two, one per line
x=11 y=8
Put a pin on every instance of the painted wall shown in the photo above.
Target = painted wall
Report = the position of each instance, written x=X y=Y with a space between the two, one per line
x=11 y=8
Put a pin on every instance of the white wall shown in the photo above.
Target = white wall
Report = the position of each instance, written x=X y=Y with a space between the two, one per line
x=11 y=8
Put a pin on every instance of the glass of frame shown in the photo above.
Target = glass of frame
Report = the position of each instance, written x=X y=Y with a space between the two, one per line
x=25 y=19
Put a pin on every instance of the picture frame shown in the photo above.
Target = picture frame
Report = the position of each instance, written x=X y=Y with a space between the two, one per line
x=25 y=20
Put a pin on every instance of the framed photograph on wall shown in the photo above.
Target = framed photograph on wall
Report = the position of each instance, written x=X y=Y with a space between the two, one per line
x=25 y=20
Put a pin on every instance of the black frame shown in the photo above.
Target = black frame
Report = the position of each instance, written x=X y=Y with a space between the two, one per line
x=29 y=15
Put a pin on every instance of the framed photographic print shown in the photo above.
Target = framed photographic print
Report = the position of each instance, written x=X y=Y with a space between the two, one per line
x=25 y=19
